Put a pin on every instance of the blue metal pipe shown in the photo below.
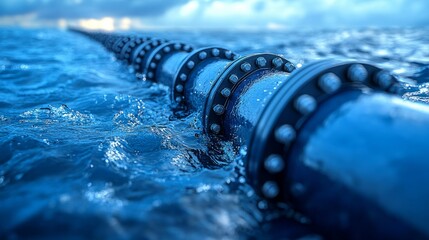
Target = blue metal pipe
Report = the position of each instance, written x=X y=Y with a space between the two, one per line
x=332 y=139
x=201 y=81
x=363 y=150
x=168 y=68
x=245 y=108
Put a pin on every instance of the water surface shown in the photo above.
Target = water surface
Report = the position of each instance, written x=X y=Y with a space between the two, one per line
x=87 y=151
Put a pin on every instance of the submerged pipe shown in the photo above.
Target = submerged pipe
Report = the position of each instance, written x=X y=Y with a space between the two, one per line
x=332 y=139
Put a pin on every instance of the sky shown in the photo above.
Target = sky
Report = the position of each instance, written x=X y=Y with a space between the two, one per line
x=214 y=14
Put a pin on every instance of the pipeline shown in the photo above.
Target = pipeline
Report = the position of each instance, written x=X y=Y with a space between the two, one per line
x=333 y=139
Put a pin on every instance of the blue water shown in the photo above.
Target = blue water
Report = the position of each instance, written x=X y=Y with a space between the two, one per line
x=87 y=151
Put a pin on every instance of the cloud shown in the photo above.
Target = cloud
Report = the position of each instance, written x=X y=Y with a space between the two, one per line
x=275 y=14
x=74 y=9
x=280 y=14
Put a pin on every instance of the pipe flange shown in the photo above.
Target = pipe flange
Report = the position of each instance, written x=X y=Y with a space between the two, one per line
x=288 y=109
x=129 y=47
x=188 y=65
x=140 y=53
x=117 y=47
x=228 y=81
x=159 y=53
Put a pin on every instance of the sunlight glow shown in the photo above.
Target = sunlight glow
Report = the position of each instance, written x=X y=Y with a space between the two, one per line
x=106 y=24
x=125 y=23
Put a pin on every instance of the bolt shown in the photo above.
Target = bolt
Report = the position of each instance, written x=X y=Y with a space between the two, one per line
x=179 y=88
x=261 y=62
x=274 y=163
x=147 y=47
x=158 y=56
x=305 y=104
x=152 y=65
x=190 y=64
x=178 y=99
x=277 y=62
x=233 y=79
x=245 y=67
x=155 y=43
x=202 y=55
x=215 y=128
x=183 y=77
x=138 y=60
x=218 y=109
x=177 y=46
x=225 y=92
x=289 y=67
x=228 y=54
x=270 y=189
x=215 y=52
x=384 y=79
x=285 y=134
x=150 y=75
x=329 y=82
x=167 y=49
x=357 y=73
x=187 y=48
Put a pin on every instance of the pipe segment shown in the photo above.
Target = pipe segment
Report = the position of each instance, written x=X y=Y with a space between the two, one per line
x=333 y=139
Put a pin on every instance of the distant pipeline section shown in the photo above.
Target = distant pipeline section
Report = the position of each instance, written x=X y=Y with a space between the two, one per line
x=332 y=139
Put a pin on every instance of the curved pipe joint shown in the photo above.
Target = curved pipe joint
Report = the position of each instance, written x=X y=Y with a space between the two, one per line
x=332 y=139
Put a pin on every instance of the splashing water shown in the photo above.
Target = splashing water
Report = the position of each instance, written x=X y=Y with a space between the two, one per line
x=88 y=151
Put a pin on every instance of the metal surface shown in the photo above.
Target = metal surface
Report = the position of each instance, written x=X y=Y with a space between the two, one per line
x=331 y=176
x=331 y=139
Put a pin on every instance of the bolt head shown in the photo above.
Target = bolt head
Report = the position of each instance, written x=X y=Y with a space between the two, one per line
x=202 y=55
x=329 y=82
x=177 y=46
x=190 y=64
x=274 y=163
x=305 y=104
x=167 y=49
x=270 y=189
x=183 y=77
x=158 y=56
x=179 y=88
x=187 y=48
x=215 y=52
x=215 y=128
x=219 y=109
x=285 y=134
x=179 y=99
x=152 y=65
x=384 y=79
x=228 y=54
x=357 y=73
x=245 y=67
x=226 y=92
x=150 y=75
x=289 y=67
x=261 y=62
x=233 y=79
x=277 y=62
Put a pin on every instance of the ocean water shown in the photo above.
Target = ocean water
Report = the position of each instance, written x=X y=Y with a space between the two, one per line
x=87 y=151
